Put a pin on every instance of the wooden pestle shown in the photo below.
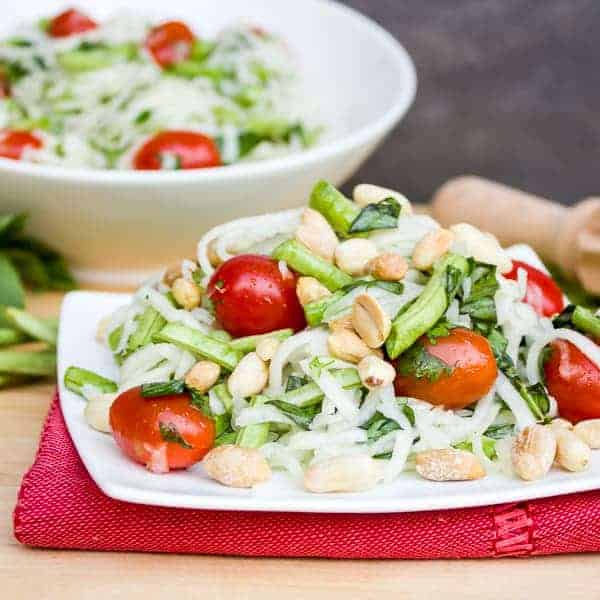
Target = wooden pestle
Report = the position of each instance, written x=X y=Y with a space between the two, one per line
x=566 y=236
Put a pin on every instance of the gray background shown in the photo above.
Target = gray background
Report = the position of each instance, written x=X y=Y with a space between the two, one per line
x=508 y=89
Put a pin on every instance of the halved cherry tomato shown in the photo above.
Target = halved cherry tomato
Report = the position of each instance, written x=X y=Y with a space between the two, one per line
x=14 y=143
x=161 y=433
x=186 y=150
x=252 y=295
x=170 y=43
x=574 y=381
x=471 y=370
x=543 y=294
x=69 y=23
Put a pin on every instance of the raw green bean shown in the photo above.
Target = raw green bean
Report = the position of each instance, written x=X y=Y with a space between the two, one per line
x=302 y=260
x=586 y=321
x=148 y=323
x=79 y=60
x=254 y=436
x=35 y=328
x=17 y=362
x=162 y=388
x=10 y=337
x=315 y=311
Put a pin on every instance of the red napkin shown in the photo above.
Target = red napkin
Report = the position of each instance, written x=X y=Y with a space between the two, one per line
x=59 y=506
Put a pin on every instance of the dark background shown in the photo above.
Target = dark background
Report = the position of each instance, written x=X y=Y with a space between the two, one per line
x=508 y=89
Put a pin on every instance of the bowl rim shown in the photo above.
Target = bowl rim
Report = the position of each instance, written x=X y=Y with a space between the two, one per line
x=305 y=158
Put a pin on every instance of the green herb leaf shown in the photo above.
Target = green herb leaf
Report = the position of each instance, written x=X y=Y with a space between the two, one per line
x=488 y=445
x=143 y=117
x=169 y=433
x=497 y=432
x=164 y=388
x=454 y=278
x=381 y=215
x=441 y=329
x=394 y=287
x=418 y=363
x=294 y=382
x=302 y=416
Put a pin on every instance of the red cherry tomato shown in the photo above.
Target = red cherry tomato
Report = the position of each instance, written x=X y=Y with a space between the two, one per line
x=187 y=150
x=14 y=143
x=170 y=43
x=574 y=381
x=542 y=293
x=161 y=433
x=69 y=23
x=252 y=296
x=473 y=373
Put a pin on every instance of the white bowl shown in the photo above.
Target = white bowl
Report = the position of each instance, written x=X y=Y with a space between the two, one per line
x=116 y=227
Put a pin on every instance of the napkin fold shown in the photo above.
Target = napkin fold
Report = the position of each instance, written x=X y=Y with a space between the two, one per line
x=59 y=506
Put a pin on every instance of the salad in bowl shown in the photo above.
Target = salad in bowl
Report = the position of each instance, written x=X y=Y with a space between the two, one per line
x=345 y=343
x=129 y=93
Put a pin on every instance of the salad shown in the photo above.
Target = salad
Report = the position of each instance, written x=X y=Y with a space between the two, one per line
x=345 y=343
x=130 y=94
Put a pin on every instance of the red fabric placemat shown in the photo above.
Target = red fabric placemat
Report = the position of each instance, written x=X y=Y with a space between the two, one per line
x=59 y=506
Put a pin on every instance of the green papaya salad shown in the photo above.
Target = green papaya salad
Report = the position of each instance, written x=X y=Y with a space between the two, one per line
x=129 y=93
x=350 y=343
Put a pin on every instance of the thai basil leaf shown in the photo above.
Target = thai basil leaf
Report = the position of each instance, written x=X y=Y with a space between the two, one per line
x=380 y=215
x=169 y=433
x=294 y=382
x=418 y=363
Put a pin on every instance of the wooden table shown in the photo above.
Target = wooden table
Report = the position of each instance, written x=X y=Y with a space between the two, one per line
x=27 y=573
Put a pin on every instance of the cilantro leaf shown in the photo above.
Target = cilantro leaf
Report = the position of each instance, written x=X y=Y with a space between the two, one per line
x=380 y=215
x=169 y=433
x=419 y=363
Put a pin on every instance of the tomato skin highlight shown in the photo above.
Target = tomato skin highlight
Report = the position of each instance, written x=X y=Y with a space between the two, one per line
x=574 y=381
x=193 y=150
x=14 y=142
x=170 y=43
x=252 y=296
x=543 y=294
x=473 y=375
x=70 y=22
x=135 y=422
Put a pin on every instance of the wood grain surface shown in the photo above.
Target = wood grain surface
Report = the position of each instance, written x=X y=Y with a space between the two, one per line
x=27 y=573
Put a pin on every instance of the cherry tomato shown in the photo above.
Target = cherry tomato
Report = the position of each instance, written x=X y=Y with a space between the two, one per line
x=14 y=143
x=251 y=296
x=543 y=294
x=69 y=23
x=574 y=381
x=161 y=433
x=472 y=371
x=170 y=43
x=186 y=149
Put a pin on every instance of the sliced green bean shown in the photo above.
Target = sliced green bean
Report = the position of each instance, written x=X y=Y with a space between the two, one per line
x=586 y=321
x=334 y=206
x=254 y=436
x=76 y=378
x=199 y=344
x=315 y=311
x=148 y=323
x=10 y=337
x=80 y=60
x=303 y=261
x=249 y=343
x=42 y=363
x=428 y=308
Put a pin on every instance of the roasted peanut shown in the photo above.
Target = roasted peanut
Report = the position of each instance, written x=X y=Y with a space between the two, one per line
x=249 y=377
x=388 y=266
x=533 y=452
x=266 y=348
x=344 y=322
x=448 y=464
x=317 y=234
x=186 y=293
x=572 y=453
x=309 y=289
x=589 y=432
x=374 y=372
x=352 y=473
x=431 y=247
x=370 y=320
x=353 y=256
x=97 y=412
x=559 y=423
x=203 y=375
x=482 y=246
x=345 y=344
x=365 y=193
x=172 y=273
x=236 y=467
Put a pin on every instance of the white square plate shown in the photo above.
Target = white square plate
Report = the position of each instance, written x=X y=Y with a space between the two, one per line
x=122 y=479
